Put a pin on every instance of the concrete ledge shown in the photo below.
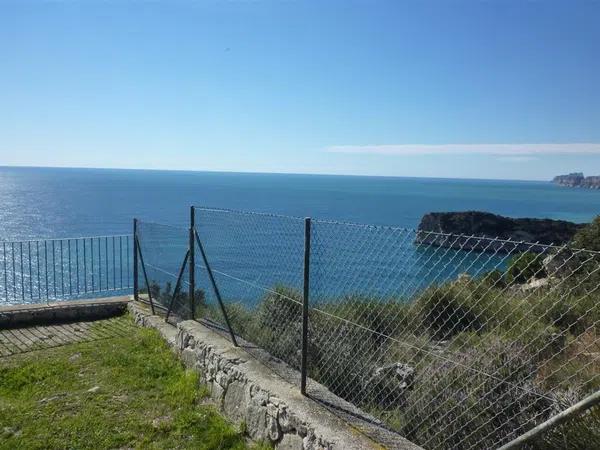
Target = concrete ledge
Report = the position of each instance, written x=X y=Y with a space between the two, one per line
x=62 y=312
x=249 y=392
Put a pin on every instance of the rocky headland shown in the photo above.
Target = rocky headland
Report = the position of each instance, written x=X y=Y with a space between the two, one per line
x=465 y=230
x=578 y=179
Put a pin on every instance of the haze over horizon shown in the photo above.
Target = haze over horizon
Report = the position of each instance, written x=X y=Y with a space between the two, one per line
x=277 y=173
x=502 y=90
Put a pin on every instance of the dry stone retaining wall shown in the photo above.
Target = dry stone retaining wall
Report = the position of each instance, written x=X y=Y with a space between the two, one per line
x=249 y=394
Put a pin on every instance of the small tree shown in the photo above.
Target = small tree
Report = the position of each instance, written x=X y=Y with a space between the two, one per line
x=589 y=236
x=525 y=266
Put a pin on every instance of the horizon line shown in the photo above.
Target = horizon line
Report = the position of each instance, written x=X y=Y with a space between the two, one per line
x=18 y=166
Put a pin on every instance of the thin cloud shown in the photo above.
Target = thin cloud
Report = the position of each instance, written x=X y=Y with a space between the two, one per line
x=470 y=149
x=517 y=159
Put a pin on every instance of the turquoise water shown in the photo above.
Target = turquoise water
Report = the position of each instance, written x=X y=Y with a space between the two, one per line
x=252 y=252
x=45 y=202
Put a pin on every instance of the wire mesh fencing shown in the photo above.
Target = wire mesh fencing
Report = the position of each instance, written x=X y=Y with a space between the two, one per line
x=163 y=276
x=38 y=271
x=453 y=341
x=257 y=264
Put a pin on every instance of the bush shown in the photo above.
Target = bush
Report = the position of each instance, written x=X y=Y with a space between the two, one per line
x=496 y=278
x=582 y=432
x=588 y=237
x=450 y=308
x=566 y=311
x=279 y=308
x=181 y=303
x=278 y=324
x=384 y=317
x=455 y=405
x=525 y=266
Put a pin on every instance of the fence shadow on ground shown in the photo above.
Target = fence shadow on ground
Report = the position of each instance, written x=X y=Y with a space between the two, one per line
x=14 y=341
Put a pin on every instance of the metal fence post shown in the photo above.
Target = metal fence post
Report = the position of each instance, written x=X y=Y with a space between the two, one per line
x=305 y=299
x=135 y=262
x=192 y=261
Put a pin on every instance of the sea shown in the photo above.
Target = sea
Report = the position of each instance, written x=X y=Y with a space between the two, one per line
x=250 y=253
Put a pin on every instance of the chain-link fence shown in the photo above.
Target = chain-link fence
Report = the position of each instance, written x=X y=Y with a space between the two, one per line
x=453 y=341
x=38 y=271
x=163 y=280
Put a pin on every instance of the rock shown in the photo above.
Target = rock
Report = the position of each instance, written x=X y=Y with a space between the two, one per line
x=577 y=179
x=120 y=398
x=562 y=263
x=235 y=401
x=572 y=180
x=256 y=422
x=402 y=372
x=534 y=284
x=50 y=399
x=10 y=432
x=290 y=442
x=74 y=357
x=389 y=383
x=464 y=278
x=273 y=430
x=216 y=393
x=285 y=420
x=260 y=397
x=456 y=230
x=162 y=423
x=188 y=357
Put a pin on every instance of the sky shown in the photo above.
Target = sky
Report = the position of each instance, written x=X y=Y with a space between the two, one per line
x=462 y=89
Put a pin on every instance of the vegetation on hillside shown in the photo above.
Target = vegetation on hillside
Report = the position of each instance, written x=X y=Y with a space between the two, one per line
x=588 y=237
x=486 y=357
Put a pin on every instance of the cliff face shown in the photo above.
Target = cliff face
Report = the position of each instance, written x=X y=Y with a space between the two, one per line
x=592 y=182
x=578 y=180
x=482 y=224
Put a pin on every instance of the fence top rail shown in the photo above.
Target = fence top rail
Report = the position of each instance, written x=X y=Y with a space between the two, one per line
x=425 y=233
x=164 y=225
x=247 y=213
x=25 y=241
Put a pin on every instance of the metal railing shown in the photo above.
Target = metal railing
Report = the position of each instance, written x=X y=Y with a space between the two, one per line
x=37 y=271
x=453 y=341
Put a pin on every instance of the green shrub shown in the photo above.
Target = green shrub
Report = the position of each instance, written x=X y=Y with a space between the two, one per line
x=384 y=317
x=180 y=304
x=496 y=278
x=567 y=311
x=581 y=433
x=279 y=308
x=449 y=309
x=278 y=324
x=525 y=266
x=455 y=405
x=242 y=320
x=588 y=237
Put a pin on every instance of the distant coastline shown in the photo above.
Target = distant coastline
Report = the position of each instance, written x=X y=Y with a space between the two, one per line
x=578 y=179
x=476 y=230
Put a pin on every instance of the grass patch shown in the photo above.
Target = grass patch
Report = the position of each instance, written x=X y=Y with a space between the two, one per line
x=125 y=392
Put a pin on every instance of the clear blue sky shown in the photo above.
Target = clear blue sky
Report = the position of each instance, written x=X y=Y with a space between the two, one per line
x=354 y=87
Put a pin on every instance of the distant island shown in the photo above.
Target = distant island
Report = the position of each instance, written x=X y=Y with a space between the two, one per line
x=577 y=179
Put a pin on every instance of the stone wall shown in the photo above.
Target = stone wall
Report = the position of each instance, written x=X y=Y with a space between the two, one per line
x=249 y=394
x=61 y=312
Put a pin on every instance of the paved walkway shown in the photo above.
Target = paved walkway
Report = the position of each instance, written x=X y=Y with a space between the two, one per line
x=20 y=340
